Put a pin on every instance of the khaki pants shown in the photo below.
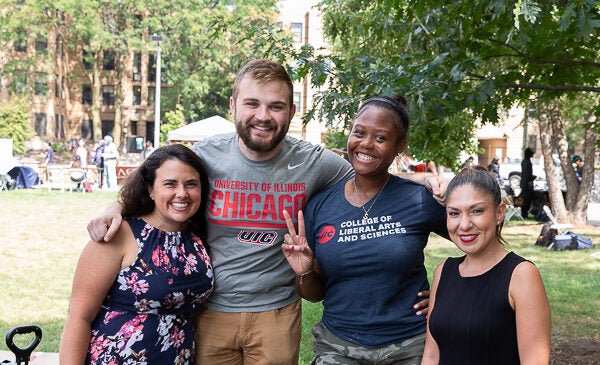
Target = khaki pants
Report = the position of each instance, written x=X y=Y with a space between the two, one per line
x=249 y=338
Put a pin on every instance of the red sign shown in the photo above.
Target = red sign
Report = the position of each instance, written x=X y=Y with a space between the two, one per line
x=123 y=171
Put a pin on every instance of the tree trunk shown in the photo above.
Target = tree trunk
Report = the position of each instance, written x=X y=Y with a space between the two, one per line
x=579 y=212
x=557 y=203
x=553 y=138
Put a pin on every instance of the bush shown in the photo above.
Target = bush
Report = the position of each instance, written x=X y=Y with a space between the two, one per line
x=14 y=123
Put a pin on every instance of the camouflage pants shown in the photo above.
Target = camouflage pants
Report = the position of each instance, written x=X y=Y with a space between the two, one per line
x=331 y=350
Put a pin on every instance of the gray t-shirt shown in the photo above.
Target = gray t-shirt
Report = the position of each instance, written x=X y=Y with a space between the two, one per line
x=246 y=226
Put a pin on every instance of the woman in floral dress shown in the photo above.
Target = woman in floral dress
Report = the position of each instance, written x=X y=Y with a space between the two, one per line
x=132 y=300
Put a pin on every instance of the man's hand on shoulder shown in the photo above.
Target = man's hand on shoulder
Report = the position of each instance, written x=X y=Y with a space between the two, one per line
x=104 y=227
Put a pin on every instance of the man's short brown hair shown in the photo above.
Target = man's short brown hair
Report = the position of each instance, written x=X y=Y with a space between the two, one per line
x=264 y=71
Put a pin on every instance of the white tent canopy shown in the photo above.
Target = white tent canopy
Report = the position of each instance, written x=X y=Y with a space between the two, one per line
x=201 y=129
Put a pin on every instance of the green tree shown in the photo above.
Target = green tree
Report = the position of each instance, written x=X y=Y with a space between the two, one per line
x=14 y=123
x=459 y=63
x=202 y=50
x=201 y=47
x=173 y=119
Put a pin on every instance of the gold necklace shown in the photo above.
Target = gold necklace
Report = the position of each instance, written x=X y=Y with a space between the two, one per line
x=366 y=216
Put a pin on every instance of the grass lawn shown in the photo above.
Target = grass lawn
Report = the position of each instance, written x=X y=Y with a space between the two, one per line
x=42 y=234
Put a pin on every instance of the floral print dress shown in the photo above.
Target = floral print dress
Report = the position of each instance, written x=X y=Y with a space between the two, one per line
x=146 y=317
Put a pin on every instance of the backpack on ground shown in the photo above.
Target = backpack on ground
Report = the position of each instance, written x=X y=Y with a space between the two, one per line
x=546 y=236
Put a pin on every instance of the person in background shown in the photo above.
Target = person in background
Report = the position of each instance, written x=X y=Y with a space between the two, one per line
x=494 y=169
x=132 y=301
x=109 y=159
x=526 y=183
x=402 y=163
x=468 y=162
x=49 y=156
x=147 y=150
x=80 y=154
x=254 y=174
x=490 y=305
x=98 y=151
x=360 y=246
x=422 y=166
x=578 y=162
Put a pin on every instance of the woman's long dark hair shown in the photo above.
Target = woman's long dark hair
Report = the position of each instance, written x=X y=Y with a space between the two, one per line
x=134 y=193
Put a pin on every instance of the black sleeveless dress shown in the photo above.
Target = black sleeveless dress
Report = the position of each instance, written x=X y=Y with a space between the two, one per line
x=472 y=321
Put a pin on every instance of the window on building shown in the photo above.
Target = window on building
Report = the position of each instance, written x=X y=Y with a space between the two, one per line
x=56 y=126
x=58 y=44
x=296 y=29
x=19 y=82
x=87 y=60
x=531 y=111
x=108 y=95
x=86 y=129
x=298 y=101
x=137 y=21
x=151 y=95
x=137 y=95
x=41 y=84
x=150 y=131
x=151 y=67
x=86 y=95
x=62 y=127
x=59 y=86
x=108 y=61
x=20 y=43
x=133 y=128
x=41 y=45
x=40 y=124
x=107 y=127
x=137 y=67
x=59 y=126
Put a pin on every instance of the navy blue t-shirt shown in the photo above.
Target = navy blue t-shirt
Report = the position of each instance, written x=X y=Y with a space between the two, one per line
x=373 y=269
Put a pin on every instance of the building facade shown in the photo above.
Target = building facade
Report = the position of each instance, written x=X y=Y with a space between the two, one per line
x=60 y=89
x=305 y=24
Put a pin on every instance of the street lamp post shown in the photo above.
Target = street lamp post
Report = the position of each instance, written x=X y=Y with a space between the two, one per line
x=157 y=38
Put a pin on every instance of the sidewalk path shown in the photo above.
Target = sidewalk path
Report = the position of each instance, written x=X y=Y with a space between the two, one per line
x=593 y=214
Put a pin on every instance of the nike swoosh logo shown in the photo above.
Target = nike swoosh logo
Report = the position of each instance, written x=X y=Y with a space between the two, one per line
x=291 y=167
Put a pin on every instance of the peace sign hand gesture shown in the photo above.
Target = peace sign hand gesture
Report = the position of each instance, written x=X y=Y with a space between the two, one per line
x=295 y=246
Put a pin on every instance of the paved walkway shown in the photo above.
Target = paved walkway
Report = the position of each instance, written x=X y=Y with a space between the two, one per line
x=593 y=214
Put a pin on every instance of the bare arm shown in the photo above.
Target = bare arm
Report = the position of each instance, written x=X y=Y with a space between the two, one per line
x=433 y=182
x=528 y=297
x=431 y=354
x=105 y=226
x=98 y=266
x=300 y=257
